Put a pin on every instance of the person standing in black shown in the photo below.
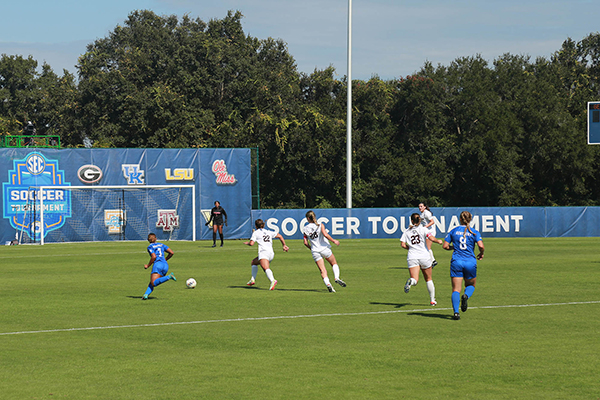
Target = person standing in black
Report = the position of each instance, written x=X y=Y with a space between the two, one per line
x=217 y=216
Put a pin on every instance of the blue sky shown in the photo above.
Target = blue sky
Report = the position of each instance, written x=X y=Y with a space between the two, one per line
x=391 y=38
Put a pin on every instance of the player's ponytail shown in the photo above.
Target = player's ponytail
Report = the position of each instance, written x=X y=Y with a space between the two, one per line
x=311 y=217
x=415 y=219
x=465 y=219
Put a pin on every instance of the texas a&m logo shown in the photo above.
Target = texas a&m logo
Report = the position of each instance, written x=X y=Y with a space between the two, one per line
x=167 y=220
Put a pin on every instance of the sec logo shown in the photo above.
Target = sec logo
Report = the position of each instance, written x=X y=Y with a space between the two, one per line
x=89 y=174
x=35 y=164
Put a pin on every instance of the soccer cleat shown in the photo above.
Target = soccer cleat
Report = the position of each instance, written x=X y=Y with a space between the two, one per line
x=456 y=316
x=145 y=297
x=221 y=244
x=340 y=282
x=214 y=245
x=171 y=276
x=463 y=303
x=251 y=282
x=331 y=289
x=407 y=286
x=433 y=264
x=273 y=284
x=433 y=303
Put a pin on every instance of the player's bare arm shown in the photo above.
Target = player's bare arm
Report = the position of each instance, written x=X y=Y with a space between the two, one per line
x=152 y=258
x=282 y=240
x=306 y=242
x=447 y=246
x=481 y=249
x=328 y=236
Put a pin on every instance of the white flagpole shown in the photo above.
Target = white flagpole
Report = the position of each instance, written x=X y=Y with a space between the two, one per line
x=349 y=114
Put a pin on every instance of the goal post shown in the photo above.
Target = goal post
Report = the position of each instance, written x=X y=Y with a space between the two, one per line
x=109 y=213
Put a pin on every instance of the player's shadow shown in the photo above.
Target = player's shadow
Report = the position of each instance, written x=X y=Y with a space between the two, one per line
x=396 y=305
x=431 y=315
x=277 y=290
x=140 y=297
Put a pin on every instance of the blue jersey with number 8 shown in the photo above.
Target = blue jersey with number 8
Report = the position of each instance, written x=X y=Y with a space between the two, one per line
x=464 y=245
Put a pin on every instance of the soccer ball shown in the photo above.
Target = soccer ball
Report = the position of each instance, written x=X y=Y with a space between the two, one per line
x=190 y=283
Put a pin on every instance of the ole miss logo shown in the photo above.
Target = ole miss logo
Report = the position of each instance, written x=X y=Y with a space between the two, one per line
x=220 y=170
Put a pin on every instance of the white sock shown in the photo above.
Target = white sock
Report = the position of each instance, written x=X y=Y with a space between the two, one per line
x=336 y=271
x=326 y=280
x=431 y=254
x=431 y=290
x=254 y=272
x=269 y=274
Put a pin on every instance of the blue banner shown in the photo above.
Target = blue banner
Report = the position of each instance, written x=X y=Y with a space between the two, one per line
x=217 y=174
x=385 y=223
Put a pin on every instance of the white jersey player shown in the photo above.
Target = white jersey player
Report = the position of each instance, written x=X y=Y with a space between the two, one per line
x=316 y=238
x=264 y=238
x=414 y=239
x=428 y=221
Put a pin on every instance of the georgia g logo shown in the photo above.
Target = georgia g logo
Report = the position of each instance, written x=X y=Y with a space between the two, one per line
x=89 y=174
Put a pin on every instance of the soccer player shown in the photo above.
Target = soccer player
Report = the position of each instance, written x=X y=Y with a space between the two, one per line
x=159 y=264
x=317 y=240
x=217 y=214
x=461 y=240
x=414 y=240
x=264 y=238
x=428 y=221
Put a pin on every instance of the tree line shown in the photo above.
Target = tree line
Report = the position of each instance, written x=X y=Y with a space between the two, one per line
x=472 y=133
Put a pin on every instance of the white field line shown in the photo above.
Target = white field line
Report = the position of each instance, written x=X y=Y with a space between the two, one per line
x=137 y=253
x=429 y=309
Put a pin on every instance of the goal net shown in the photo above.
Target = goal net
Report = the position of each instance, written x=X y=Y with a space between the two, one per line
x=108 y=213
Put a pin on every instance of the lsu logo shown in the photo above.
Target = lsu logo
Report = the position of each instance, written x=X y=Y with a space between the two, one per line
x=22 y=195
x=179 y=174
x=133 y=174
x=114 y=220
x=219 y=168
x=167 y=220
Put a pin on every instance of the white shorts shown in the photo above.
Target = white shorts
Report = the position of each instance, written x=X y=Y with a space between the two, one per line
x=325 y=253
x=432 y=230
x=424 y=263
x=266 y=255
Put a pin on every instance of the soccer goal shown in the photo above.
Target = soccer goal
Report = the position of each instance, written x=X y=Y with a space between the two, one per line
x=110 y=213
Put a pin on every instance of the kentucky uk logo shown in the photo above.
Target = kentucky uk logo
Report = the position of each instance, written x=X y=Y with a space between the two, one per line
x=22 y=195
x=133 y=174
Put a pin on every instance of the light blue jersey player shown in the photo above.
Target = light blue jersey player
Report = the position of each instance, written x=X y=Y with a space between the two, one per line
x=158 y=262
x=463 y=265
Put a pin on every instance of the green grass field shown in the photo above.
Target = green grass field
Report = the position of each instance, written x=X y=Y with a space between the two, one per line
x=72 y=324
